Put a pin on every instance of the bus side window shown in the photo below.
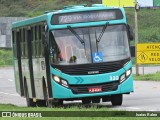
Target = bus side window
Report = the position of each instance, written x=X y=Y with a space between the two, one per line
x=18 y=45
x=40 y=32
x=25 y=43
x=42 y=44
x=40 y=47
x=33 y=39
x=36 y=42
x=21 y=39
x=21 y=42
x=14 y=43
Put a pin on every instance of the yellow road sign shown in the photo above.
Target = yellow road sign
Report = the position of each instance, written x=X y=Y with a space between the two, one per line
x=148 y=53
x=119 y=3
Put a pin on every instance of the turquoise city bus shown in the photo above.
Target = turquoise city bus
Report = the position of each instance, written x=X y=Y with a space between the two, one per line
x=77 y=53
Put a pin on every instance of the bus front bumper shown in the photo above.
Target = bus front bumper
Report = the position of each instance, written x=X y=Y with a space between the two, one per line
x=61 y=92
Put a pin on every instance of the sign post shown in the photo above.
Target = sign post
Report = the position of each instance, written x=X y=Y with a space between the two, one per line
x=136 y=31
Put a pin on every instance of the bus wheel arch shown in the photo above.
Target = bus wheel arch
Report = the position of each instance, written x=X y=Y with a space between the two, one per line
x=29 y=101
x=43 y=102
x=44 y=86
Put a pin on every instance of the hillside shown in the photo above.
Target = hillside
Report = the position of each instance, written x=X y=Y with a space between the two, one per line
x=148 y=24
x=31 y=8
x=148 y=19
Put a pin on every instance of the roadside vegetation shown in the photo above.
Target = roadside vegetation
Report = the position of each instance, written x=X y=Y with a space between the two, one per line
x=9 y=107
x=5 y=57
x=148 y=77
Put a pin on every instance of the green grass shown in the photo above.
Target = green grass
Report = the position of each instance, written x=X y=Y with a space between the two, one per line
x=148 y=77
x=71 y=107
x=9 y=107
x=86 y=118
x=5 y=57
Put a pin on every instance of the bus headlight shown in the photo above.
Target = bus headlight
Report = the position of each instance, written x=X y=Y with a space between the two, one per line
x=56 y=78
x=125 y=75
x=64 y=83
x=60 y=81
x=122 y=78
x=128 y=72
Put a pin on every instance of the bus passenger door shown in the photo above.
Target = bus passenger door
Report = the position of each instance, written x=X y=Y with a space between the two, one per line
x=18 y=63
x=30 y=81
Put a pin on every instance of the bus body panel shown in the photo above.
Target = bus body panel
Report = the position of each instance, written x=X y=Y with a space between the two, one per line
x=124 y=87
x=65 y=93
x=26 y=75
x=17 y=83
x=104 y=77
x=39 y=67
x=90 y=79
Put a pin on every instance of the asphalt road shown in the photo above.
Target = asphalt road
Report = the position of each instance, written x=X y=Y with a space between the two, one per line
x=146 y=96
x=147 y=69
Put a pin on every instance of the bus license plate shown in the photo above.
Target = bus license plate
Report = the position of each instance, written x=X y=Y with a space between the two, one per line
x=97 y=89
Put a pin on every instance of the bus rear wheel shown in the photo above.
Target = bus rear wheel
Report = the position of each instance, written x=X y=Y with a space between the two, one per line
x=29 y=101
x=57 y=103
x=116 y=100
x=41 y=103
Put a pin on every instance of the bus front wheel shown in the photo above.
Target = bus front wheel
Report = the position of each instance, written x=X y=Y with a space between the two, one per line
x=116 y=100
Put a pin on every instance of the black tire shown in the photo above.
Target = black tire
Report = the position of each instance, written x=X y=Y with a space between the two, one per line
x=86 y=101
x=29 y=101
x=41 y=103
x=96 y=100
x=116 y=100
x=57 y=103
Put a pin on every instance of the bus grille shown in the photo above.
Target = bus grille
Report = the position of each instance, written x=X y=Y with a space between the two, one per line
x=91 y=69
x=83 y=89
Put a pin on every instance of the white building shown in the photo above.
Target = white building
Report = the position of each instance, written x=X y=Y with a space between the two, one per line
x=5 y=30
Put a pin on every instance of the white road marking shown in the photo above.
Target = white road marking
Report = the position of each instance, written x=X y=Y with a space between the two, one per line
x=152 y=110
x=10 y=80
x=133 y=108
x=9 y=94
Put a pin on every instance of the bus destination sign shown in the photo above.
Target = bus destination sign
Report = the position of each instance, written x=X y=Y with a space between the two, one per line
x=89 y=16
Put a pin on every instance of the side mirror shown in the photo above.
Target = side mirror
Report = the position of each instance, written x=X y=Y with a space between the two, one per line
x=130 y=32
x=132 y=50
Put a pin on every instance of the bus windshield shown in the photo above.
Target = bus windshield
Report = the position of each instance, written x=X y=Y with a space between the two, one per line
x=113 y=45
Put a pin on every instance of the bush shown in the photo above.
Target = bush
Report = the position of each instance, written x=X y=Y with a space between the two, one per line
x=5 y=57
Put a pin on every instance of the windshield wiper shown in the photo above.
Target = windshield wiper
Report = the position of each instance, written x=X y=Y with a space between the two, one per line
x=101 y=34
x=74 y=32
x=79 y=38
